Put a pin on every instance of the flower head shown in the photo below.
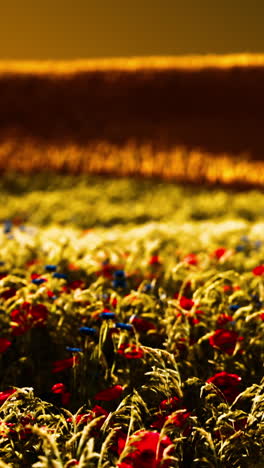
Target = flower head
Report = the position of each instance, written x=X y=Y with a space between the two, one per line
x=191 y=259
x=63 y=364
x=27 y=316
x=218 y=253
x=146 y=450
x=141 y=325
x=130 y=351
x=110 y=393
x=258 y=270
x=4 y=344
x=229 y=384
x=225 y=340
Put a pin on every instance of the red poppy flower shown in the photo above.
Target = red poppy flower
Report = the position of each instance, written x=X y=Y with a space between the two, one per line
x=147 y=451
x=142 y=325
x=106 y=270
x=73 y=285
x=28 y=316
x=180 y=420
x=154 y=260
x=8 y=293
x=59 y=366
x=119 y=442
x=258 y=270
x=5 y=395
x=58 y=388
x=159 y=421
x=186 y=303
x=218 y=253
x=4 y=344
x=110 y=393
x=51 y=294
x=130 y=351
x=223 y=319
x=170 y=404
x=229 y=384
x=114 y=302
x=225 y=340
x=191 y=259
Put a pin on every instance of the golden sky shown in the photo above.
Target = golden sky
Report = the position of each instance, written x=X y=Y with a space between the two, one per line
x=70 y=29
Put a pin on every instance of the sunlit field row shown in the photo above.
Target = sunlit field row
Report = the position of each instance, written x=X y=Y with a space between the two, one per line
x=175 y=165
x=132 y=324
x=93 y=201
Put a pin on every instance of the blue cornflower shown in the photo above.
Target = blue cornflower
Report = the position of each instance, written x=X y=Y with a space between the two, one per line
x=8 y=226
x=240 y=248
x=60 y=276
x=244 y=238
x=107 y=315
x=124 y=326
x=38 y=281
x=147 y=287
x=50 y=267
x=73 y=350
x=87 y=331
x=258 y=244
x=120 y=279
x=234 y=307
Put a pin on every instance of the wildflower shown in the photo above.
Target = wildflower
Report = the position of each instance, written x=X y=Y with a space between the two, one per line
x=73 y=350
x=60 y=389
x=60 y=276
x=240 y=248
x=130 y=351
x=171 y=404
x=6 y=394
x=28 y=316
x=107 y=269
x=38 y=281
x=225 y=340
x=141 y=325
x=110 y=393
x=120 y=442
x=124 y=326
x=4 y=344
x=8 y=293
x=87 y=331
x=234 y=307
x=258 y=270
x=107 y=315
x=147 y=450
x=50 y=268
x=114 y=302
x=191 y=259
x=223 y=319
x=7 y=226
x=119 y=279
x=76 y=284
x=218 y=253
x=180 y=420
x=63 y=364
x=154 y=260
x=186 y=303
x=229 y=384
x=51 y=294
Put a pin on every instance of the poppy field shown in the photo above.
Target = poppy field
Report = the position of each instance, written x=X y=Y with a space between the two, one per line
x=132 y=324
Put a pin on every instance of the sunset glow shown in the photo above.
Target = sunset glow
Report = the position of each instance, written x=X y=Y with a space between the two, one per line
x=190 y=62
